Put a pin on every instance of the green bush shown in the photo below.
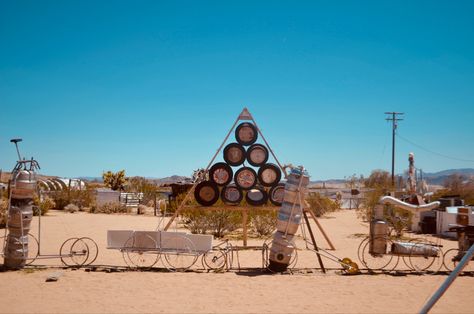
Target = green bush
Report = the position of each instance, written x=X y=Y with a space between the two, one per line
x=197 y=220
x=263 y=222
x=218 y=222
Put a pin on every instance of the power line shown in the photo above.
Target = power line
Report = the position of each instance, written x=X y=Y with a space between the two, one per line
x=431 y=151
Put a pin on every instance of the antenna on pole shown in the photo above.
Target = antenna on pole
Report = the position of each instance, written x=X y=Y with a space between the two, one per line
x=16 y=141
x=394 y=118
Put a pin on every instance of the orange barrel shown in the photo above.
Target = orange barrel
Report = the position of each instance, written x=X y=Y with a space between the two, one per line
x=245 y=178
x=276 y=194
x=256 y=196
x=234 y=154
x=281 y=251
x=232 y=194
x=257 y=155
x=246 y=133
x=206 y=193
x=24 y=184
x=221 y=173
x=269 y=174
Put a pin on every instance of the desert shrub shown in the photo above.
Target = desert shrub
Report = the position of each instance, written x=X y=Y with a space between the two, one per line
x=223 y=221
x=108 y=208
x=320 y=205
x=42 y=205
x=263 y=222
x=3 y=213
x=197 y=220
x=71 y=208
x=217 y=222
x=80 y=198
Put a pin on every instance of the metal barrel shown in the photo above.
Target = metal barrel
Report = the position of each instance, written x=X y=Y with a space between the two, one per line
x=378 y=237
x=16 y=252
x=24 y=184
x=282 y=248
x=289 y=218
x=19 y=217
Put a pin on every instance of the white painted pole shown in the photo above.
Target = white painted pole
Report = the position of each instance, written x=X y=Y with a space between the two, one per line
x=439 y=293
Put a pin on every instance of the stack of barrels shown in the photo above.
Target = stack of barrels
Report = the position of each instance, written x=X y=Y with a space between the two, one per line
x=289 y=218
x=22 y=189
x=258 y=182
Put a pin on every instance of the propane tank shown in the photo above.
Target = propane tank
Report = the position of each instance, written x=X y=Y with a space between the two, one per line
x=378 y=236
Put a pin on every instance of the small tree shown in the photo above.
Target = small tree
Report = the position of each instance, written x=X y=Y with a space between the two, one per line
x=115 y=181
x=320 y=205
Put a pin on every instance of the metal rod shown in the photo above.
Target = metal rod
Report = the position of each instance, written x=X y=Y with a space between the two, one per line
x=447 y=283
x=314 y=241
x=269 y=148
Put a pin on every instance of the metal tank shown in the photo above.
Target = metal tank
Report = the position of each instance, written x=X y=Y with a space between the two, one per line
x=289 y=218
x=378 y=236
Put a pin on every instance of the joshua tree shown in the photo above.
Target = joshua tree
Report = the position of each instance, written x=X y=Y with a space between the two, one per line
x=115 y=181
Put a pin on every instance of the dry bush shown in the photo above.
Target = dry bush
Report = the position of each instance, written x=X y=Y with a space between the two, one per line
x=217 y=222
x=44 y=206
x=263 y=222
x=3 y=213
x=71 y=208
x=320 y=205
x=109 y=208
x=196 y=221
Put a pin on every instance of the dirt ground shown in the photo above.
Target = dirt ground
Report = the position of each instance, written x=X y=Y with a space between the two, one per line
x=245 y=290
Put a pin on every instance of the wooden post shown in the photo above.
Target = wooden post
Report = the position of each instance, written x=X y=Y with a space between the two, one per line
x=244 y=225
x=331 y=246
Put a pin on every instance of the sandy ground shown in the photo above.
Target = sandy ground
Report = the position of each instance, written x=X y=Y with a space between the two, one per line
x=238 y=291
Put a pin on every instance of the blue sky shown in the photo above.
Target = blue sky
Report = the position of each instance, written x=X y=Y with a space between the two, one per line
x=152 y=87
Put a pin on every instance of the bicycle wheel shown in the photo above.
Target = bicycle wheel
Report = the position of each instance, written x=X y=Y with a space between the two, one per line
x=33 y=249
x=379 y=261
x=79 y=252
x=215 y=260
x=179 y=252
x=65 y=251
x=360 y=248
x=140 y=251
x=422 y=255
x=452 y=258
x=2 y=246
x=93 y=250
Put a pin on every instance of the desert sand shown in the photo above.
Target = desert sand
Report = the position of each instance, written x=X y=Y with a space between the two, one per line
x=248 y=290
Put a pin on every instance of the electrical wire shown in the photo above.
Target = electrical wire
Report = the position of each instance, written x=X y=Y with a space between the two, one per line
x=431 y=151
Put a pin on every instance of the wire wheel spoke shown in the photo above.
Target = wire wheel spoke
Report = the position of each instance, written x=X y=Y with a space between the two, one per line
x=140 y=251
x=33 y=249
x=422 y=255
x=65 y=251
x=215 y=260
x=377 y=255
x=180 y=253
x=79 y=252
x=93 y=250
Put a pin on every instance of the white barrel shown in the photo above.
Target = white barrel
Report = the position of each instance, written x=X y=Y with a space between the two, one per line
x=24 y=184
x=289 y=218
x=282 y=248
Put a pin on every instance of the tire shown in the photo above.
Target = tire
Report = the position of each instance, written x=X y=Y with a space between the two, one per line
x=221 y=173
x=206 y=193
x=232 y=194
x=256 y=196
x=245 y=178
x=234 y=154
x=276 y=194
x=269 y=175
x=257 y=155
x=246 y=134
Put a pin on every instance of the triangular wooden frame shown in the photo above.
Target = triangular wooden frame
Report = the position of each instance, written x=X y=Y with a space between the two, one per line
x=245 y=115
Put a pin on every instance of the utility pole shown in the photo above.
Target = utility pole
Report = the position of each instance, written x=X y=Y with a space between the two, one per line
x=394 y=117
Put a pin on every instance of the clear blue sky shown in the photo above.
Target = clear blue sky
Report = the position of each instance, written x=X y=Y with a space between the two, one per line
x=152 y=87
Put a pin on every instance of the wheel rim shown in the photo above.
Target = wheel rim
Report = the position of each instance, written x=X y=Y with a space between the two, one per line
x=180 y=253
x=140 y=252
x=379 y=261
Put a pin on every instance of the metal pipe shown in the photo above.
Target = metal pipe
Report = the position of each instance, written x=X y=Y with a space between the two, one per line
x=447 y=283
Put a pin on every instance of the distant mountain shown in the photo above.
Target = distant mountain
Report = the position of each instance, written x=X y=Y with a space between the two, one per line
x=438 y=178
x=172 y=179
